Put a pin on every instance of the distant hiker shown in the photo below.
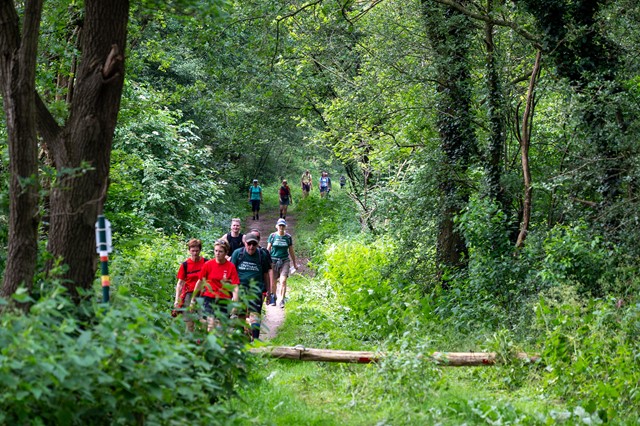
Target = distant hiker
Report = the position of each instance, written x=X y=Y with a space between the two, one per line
x=325 y=184
x=215 y=277
x=306 y=182
x=285 y=198
x=234 y=238
x=343 y=181
x=253 y=264
x=188 y=275
x=280 y=245
x=255 y=197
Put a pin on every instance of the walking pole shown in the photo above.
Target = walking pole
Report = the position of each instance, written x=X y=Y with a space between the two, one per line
x=103 y=248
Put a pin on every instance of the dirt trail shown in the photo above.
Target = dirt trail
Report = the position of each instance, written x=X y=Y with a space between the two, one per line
x=274 y=316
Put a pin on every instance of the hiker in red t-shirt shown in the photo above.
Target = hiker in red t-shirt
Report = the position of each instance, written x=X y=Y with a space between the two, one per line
x=285 y=198
x=188 y=275
x=220 y=280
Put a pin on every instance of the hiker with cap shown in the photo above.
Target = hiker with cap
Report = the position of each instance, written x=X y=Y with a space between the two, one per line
x=255 y=197
x=234 y=238
x=188 y=274
x=285 y=198
x=253 y=264
x=307 y=183
x=280 y=246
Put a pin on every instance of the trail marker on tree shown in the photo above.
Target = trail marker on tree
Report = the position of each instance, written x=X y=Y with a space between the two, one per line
x=103 y=248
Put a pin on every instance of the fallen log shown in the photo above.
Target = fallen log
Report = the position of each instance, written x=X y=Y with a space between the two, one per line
x=445 y=359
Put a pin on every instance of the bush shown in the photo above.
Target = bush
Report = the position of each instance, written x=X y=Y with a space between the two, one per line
x=359 y=277
x=128 y=367
x=591 y=355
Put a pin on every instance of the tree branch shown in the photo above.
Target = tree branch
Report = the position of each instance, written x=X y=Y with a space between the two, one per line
x=527 y=35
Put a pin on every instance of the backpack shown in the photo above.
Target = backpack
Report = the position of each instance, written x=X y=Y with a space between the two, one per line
x=241 y=256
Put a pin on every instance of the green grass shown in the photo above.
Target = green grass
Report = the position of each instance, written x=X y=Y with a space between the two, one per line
x=404 y=389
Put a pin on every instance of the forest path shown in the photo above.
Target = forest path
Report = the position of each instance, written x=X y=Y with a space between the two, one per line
x=274 y=316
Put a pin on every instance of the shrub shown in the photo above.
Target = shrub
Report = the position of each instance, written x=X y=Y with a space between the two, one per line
x=126 y=367
x=357 y=271
x=591 y=353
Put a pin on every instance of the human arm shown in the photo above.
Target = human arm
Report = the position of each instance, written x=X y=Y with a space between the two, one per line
x=179 y=297
x=293 y=257
x=196 y=291
x=234 y=279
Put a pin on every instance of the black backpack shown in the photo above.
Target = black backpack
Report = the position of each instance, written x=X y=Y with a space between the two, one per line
x=186 y=270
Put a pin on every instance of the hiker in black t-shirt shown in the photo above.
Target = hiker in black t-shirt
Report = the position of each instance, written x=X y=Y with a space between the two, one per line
x=234 y=237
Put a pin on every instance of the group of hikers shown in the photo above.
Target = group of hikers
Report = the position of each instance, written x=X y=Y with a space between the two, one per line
x=240 y=267
x=284 y=193
x=324 y=183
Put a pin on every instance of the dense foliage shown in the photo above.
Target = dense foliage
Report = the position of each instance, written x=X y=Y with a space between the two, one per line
x=122 y=365
x=421 y=106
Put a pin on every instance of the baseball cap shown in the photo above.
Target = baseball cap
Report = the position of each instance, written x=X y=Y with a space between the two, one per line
x=251 y=237
x=281 y=222
x=255 y=180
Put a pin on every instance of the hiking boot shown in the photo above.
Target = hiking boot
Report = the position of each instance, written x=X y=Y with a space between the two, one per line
x=281 y=304
x=257 y=217
x=254 y=218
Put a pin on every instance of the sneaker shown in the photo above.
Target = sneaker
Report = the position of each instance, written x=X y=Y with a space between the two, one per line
x=272 y=299
x=281 y=304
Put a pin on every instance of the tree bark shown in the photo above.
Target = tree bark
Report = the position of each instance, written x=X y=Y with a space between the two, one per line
x=84 y=145
x=17 y=72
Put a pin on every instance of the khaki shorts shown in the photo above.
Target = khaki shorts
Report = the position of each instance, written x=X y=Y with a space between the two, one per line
x=281 y=268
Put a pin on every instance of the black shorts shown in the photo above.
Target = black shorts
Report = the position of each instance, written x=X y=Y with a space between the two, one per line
x=306 y=187
x=255 y=304
x=255 y=205
x=212 y=305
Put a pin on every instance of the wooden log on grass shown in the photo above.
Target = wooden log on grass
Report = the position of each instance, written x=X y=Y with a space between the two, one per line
x=301 y=353
x=445 y=359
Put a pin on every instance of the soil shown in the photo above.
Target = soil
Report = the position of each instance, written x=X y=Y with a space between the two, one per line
x=274 y=316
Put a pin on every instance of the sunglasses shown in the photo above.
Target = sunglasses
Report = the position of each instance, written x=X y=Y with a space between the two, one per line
x=252 y=243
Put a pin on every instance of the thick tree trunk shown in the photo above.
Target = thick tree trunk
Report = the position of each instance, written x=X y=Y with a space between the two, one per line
x=495 y=113
x=17 y=72
x=449 y=33
x=84 y=146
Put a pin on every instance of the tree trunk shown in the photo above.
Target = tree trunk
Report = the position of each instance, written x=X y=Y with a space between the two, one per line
x=495 y=112
x=82 y=150
x=525 y=142
x=17 y=72
x=449 y=34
